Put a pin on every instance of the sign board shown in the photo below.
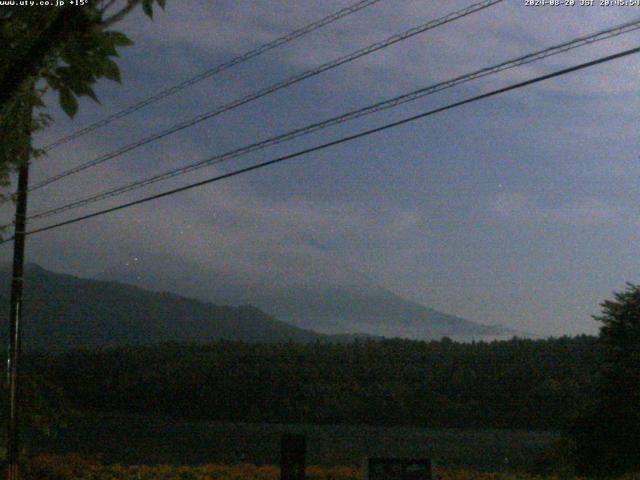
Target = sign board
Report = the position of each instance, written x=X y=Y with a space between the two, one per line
x=293 y=449
x=399 y=469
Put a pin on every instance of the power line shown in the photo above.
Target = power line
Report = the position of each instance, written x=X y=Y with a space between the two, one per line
x=273 y=88
x=296 y=34
x=377 y=107
x=339 y=141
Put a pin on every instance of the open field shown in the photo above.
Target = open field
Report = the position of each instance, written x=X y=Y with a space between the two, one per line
x=132 y=440
x=70 y=467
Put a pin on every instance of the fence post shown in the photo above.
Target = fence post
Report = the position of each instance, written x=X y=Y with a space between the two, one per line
x=293 y=450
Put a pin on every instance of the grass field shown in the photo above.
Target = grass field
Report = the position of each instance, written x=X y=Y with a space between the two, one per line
x=73 y=468
x=130 y=440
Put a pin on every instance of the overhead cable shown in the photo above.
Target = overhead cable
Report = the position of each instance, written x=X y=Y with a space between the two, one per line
x=342 y=140
x=377 y=107
x=271 y=89
x=296 y=34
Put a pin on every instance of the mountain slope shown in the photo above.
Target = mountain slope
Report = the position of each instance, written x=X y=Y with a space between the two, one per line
x=375 y=311
x=321 y=304
x=62 y=311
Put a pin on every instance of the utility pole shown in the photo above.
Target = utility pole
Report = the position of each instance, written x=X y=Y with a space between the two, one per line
x=15 y=324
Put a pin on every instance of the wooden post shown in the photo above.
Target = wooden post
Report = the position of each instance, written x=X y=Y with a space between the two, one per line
x=293 y=450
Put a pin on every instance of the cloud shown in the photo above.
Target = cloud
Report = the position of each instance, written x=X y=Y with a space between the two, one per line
x=587 y=211
x=229 y=228
x=391 y=205
x=501 y=32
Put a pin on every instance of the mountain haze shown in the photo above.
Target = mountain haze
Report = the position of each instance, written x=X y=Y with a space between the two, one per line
x=321 y=303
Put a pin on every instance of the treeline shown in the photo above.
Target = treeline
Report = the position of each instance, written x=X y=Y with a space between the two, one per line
x=507 y=384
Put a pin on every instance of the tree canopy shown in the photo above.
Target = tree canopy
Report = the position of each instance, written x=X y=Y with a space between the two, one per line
x=65 y=49
x=607 y=435
x=534 y=384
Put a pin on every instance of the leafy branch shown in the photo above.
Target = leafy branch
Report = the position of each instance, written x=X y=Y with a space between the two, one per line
x=66 y=49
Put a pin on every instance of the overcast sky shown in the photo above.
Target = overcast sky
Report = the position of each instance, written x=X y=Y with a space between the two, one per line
x=521 y=209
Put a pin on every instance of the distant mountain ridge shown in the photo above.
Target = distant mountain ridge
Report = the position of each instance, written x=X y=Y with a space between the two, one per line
x=360 y=307
x=62 y=312
x=375 y=311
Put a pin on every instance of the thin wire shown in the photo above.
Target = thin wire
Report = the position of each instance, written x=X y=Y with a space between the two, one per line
x=380 y=106
x=296 y=34
x=272 y=88
x=341 y=140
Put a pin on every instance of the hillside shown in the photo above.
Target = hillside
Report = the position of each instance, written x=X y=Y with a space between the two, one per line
x=63 y=311
x=375 y=311
x=325 y=305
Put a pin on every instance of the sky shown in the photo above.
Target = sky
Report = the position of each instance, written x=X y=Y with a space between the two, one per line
x=521 y=209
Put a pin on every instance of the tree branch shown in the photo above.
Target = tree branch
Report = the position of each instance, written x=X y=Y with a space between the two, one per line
x=116 y=17
x=69 y=22
x=107 y=6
